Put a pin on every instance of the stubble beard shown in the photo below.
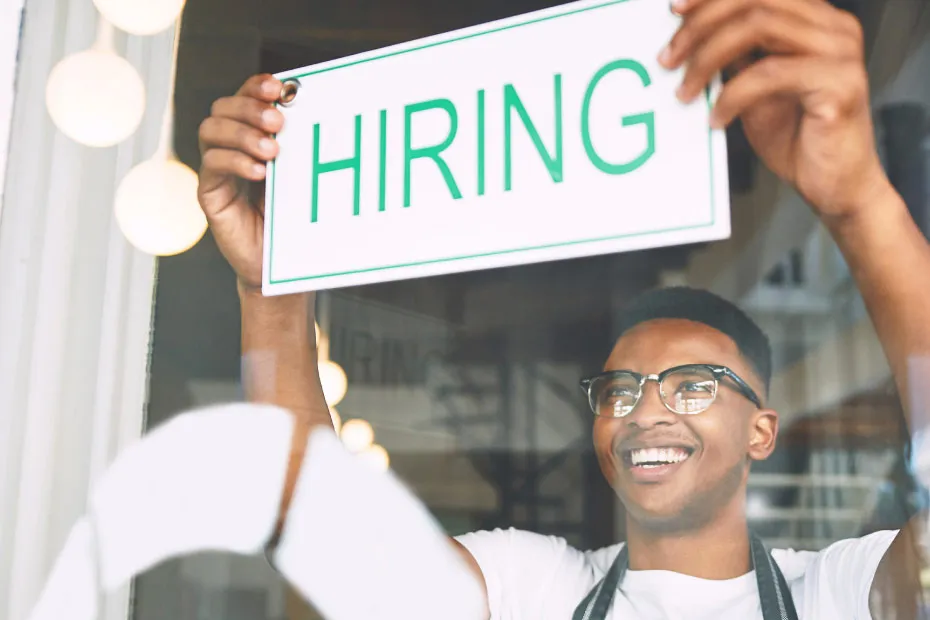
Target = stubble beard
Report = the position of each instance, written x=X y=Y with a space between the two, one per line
x=701 y=509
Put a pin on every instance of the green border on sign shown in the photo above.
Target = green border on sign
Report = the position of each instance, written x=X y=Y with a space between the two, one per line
x=710 y=149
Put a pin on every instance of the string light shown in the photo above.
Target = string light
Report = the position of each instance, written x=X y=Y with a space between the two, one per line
x=156 y=203
x=337 y=419
x=96 y=97
x=140 y=17
x=357 y=435
x=335 y=383
x=377 y=457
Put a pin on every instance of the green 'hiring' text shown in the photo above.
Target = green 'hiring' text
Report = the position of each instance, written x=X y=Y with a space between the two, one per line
x=513 y=106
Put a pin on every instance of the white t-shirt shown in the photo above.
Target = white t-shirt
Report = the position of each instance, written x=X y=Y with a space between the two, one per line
x=535 y=577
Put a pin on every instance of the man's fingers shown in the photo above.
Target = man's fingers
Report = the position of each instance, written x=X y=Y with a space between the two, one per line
x=778 y=33
x=705 y=20
x=251 y=106
x=251 y=111
x=815 y=10
x=224 y=133
x=218 y=165
x=715 y=33
x=263 y=87
x=731 y=70
x=827 y=89
x=228 y=161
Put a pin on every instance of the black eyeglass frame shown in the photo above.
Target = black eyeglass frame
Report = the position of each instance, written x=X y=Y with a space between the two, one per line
x=719 y=372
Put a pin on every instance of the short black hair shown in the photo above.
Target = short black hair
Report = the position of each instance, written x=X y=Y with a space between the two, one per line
x=681 y=302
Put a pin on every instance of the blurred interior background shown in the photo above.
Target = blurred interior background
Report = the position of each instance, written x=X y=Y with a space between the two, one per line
x=469 y=382
x=465 y=384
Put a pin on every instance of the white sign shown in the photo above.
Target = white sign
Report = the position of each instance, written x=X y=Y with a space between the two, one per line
x=551 y=135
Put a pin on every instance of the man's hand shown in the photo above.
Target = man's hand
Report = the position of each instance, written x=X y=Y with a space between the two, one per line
x=799 y=86
x=278 y=345
x=236 y=142
x=800 y=89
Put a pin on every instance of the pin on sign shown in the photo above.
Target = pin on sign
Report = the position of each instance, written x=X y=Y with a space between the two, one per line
x=550 y=135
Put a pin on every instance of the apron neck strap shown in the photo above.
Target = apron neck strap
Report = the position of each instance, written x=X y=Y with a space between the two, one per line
x=774 y=593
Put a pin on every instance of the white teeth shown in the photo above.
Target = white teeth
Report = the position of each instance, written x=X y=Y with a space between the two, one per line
x=653 y=457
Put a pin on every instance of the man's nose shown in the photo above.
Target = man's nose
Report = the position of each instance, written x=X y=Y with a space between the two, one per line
x=650 y=411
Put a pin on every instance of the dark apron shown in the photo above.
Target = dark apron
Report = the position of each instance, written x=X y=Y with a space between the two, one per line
x=773 y=589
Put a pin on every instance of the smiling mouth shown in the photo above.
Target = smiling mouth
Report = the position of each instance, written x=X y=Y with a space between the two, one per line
x=651 y=458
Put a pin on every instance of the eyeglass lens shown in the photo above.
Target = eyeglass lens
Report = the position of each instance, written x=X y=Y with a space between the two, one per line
x=685 y=391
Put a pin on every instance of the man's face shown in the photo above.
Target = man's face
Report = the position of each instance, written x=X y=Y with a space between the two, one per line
x=717 y=445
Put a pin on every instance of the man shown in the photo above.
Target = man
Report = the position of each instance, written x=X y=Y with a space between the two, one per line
x=681 y=409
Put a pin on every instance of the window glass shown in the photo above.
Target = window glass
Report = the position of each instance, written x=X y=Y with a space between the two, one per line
x=467 y=385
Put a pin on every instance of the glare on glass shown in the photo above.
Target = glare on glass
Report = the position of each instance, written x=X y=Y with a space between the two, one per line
x=685 y=390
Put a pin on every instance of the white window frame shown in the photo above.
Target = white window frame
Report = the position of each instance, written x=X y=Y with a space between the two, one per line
x=10 y=17
x=75 y=298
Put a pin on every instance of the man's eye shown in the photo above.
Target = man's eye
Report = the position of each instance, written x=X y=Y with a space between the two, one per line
x=620 y=392
x=695 y=387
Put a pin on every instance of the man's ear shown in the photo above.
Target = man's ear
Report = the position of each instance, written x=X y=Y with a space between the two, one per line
x=763 y=434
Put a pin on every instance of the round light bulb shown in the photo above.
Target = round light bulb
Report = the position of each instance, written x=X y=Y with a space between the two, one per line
x=377 y=457
x=337 y=419
x=157 y=208
x=357 y=435
x=334 y=381
x=95 y=97
x=140 y=17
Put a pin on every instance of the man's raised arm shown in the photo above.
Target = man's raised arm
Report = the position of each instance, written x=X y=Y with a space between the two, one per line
x=890 y=260
x=279 y=361
x=279 y=355
x=801 y=92
x=279 y=367
x=804 y=105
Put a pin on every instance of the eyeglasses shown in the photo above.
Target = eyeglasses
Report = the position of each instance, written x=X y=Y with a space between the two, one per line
x=685 y=390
